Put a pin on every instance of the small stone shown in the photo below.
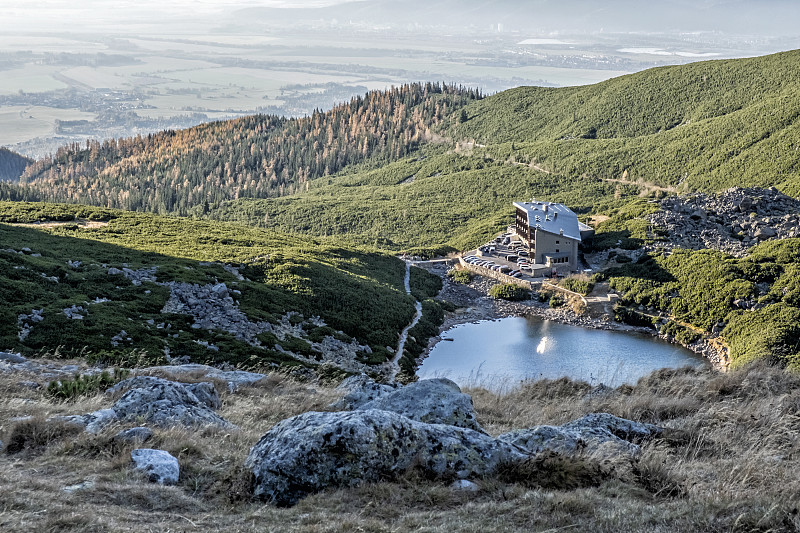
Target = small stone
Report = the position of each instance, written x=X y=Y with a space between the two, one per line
x=160 y=466
x=137 y=434
x=12 y=357
x=79 y=486
x=464 y=485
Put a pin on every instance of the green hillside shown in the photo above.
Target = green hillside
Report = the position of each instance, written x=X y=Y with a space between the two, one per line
x=648 y=102
x=700 y=288
x=704 y=126
x=431 y=203
x=78 y=259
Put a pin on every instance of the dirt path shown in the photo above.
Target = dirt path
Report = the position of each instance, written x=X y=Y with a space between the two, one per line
x=648 y=187
x=82 y=222
x=404 y=335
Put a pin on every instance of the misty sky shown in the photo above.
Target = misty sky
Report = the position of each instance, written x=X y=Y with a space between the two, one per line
x=760 y=18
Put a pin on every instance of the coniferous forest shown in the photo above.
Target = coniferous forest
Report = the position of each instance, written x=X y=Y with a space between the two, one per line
x=259 y=156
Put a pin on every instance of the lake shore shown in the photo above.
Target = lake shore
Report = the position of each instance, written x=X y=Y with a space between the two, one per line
x=476 y=305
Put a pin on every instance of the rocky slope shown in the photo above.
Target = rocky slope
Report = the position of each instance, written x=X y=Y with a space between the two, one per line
x=732 y=221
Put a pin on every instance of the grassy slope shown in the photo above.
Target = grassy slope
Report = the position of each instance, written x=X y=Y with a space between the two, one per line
x=358 y=291
x=699 y=287
x=704 y=126
x=453 y=202
x=730 y=466
x=707 y=125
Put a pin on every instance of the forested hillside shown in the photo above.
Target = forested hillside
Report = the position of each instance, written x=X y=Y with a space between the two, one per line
x=252 y=157
x=12 y=165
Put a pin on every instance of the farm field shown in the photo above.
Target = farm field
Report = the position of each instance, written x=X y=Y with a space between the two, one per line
x=25 y=122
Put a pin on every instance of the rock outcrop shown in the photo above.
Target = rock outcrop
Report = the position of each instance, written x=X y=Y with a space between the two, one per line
x=430 y=426
x=313 y=451
x=167 y=403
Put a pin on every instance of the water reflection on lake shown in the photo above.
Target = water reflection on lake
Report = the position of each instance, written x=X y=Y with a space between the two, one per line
x=499 y=354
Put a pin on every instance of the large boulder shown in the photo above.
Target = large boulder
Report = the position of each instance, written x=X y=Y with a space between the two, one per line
x=434 y=401
x=203 y=391
x=359 y=390
x=313 y=451
x=156 y=401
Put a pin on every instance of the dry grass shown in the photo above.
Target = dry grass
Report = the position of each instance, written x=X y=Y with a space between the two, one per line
x=728 y=463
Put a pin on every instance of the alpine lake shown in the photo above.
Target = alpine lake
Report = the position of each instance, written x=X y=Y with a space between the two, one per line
x=500 y=354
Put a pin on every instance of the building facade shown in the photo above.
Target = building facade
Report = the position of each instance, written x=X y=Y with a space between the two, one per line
x=552 y=232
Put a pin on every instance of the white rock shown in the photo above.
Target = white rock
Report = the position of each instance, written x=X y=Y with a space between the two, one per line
x=160 y=466
x=464 y=485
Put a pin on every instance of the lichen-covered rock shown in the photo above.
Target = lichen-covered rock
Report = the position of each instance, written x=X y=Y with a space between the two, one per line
x=313 y=451
x=204 y=391
x=359 y=390
x=166 y=403
x=594 y=434
x=434 y=401
x=234 y=378
x=160 y=466
x=620 y=427
x=156 y=401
